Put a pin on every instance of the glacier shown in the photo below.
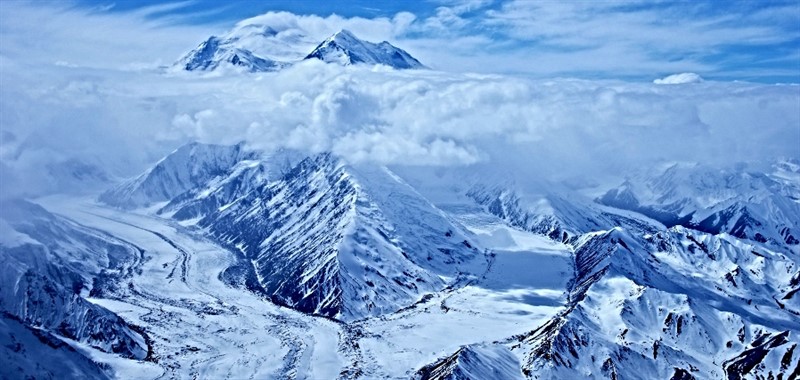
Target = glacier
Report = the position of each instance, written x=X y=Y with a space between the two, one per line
x=223 y=260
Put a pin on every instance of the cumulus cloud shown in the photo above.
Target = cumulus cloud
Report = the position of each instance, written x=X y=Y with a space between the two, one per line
x=682 y=78
x=550 y=128
x=124 y=120
x=315 y=28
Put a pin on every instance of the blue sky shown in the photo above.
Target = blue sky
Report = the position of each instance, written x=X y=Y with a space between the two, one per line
x=210 y=11
x=627 y=39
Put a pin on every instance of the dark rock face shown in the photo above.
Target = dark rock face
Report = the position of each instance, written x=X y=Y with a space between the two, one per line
x=322 y=241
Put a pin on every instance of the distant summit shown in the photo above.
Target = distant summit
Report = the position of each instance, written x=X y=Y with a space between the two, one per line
x=214 y=52
x=276 y=50
x=347 y=49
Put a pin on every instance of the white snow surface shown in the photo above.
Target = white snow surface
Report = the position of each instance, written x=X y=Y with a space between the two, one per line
x=383 y=278
x=203 y=327
x=260 y=48
x=345 y=48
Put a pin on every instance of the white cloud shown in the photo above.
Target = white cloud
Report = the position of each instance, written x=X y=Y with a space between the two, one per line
x=39 y=33
x=547 y=128
x=318 y=28
x=611 y=38
x=559 y=128
x=682 y=78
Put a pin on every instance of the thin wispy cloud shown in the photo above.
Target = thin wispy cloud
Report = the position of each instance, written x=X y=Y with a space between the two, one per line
x=46 y=33
x=628 y=38
x=738 y=40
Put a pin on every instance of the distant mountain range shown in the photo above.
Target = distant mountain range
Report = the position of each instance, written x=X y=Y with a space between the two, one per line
x=277 y=51
x=682 y=273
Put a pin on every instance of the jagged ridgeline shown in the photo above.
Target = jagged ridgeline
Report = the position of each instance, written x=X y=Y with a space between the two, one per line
x=649 y=295
x=322 y=236
x=256 y=48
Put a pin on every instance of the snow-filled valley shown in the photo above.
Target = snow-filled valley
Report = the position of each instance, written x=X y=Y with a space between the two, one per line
x=229 y=265
x=197 y=325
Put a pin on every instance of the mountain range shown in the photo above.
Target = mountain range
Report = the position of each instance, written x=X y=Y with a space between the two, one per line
x=488 y=280
x=280 y=51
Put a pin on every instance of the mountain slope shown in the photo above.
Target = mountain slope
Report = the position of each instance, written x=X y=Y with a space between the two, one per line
x=648 y=301
x=323 y=242
x=50 y=264
x=323 y=237
x=206 y=198
x=215 y=53
x=475 y=362
x=346 y=49
x=748 y=205
x=28 y=352
x=646 y=296
x=643 y=308
x=186 y=168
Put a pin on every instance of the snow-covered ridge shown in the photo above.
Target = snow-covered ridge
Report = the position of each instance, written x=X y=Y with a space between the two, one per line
x=491 y=279
x=322 y=242
x=346 y=49
x=44 y=280
x=649 y=301
x=186 y=168
x=479 y=361
x=213 y=53
x=746 y=204
x=323 y=237
x=640 y=317
x=235 y=50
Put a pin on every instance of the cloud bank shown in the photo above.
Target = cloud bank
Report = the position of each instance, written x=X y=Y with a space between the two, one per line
x=59 y=111
x=553 y=128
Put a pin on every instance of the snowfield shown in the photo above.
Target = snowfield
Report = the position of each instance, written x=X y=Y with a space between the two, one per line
x=200 y=326
x=228 y=267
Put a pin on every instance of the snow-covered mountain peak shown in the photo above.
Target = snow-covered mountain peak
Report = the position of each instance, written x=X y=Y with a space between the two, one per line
x=217 y=52
x=345 y=48
x=742 y=202
x=342 y=241
x=344 y=37
x=321 y=235
x=258 y=48
x=187 y=167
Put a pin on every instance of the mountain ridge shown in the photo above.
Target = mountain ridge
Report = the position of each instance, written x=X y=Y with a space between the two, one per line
x=601 y=289
x=234 y=51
